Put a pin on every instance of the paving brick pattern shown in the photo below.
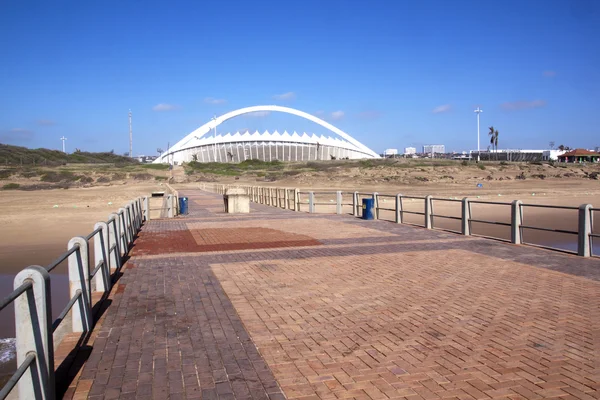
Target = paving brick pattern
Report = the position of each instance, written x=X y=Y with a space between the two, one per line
x=371 y=310
x=436 y=324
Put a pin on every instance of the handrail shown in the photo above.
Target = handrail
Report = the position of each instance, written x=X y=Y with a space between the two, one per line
x=61 y=258
x=549 y=206
x=94 y=232
x=538 y=228
x=483 y=221
x=123 y=226
x=14 y=294
x=14 y=379
x=497 y=203
x=442 y=199
x=300 y=199
x=66 y=310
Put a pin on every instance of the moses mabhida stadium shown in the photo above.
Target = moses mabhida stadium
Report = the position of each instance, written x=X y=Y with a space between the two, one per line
x=203 y=145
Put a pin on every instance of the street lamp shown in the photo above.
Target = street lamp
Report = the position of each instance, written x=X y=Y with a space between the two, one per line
x=478 y=111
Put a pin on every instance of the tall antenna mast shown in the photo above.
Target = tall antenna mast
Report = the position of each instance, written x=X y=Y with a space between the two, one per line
x=130 y=137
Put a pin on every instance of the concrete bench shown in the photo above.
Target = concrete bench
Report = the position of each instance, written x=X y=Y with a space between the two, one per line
x=236 y=201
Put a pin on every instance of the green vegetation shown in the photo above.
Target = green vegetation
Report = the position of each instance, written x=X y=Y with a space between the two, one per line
x=160 y=178
x=62 y=175
x=11 y=186
x=15 y=155
x=158 y=167
x=481 y=166
x=233 y=169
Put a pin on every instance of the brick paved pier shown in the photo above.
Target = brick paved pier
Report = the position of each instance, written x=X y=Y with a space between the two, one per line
x=276 y=304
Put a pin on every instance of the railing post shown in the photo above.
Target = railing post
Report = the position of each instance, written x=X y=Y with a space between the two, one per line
x=129 y=211
x=170 y=206
x=311 y=202
x=376 y=205
x=33 y=321
x=114 y=256
x=516 y=219
x=584 y=230
x=465 y=217
x=428 y=212
x=79 y=279
x=296 y=199
x=123 y=243
x=102 y=277
x=338 y=202
x=355 y=204
x=286 y=199
x=146 y=209
x=399 y=213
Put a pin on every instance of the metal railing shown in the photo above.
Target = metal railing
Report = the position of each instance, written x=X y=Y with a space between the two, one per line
x=32 y=297
x=300 y=199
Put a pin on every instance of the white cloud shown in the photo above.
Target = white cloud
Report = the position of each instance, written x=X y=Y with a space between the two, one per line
x=442 y=109
x=523 y=105
x=165 y=107
x=285 y=96
x=549 y=74
x=258 y=114
x=337 y=115
x=212 y=100
x=46 y=122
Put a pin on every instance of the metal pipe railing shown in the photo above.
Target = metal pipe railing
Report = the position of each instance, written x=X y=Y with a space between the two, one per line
x=32 y=298
x=301 y=199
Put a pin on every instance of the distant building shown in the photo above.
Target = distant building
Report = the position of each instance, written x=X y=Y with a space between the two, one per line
x=552 y=155
x=390 y=152
x=410 y=150
x=146 y=159
x=579 y=156
x=434 y=148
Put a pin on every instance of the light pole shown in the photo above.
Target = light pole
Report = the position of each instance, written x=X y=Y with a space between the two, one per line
x=478 y=111
x=63 y=140
x=214 y=118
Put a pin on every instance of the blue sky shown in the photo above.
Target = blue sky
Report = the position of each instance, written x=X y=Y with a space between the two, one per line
x=390 y=73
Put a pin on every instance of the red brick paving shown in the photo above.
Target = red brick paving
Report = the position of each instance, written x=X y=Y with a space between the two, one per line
x=429 y=315
x=218 y=239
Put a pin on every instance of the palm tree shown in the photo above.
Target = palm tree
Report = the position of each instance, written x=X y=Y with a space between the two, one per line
x=561 y=147
x=551 y=145
x=494 y=139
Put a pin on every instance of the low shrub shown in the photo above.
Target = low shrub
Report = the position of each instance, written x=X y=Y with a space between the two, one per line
x=11 y=186
x=481 y=166
x=159 y=167
x=103 y=179
x=86 y=179
x=160 y=178
x=59 y=176
x=142 y=176
x=118 y=176
x=5 y=173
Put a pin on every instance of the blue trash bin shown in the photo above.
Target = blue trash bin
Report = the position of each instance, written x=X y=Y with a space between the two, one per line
x=368 y=208
x=183 y=205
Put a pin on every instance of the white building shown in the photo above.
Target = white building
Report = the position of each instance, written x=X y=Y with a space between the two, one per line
x=434 y=148
x=410 y=150
x=548 y=155
x=205 y=144
x=390 y=152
